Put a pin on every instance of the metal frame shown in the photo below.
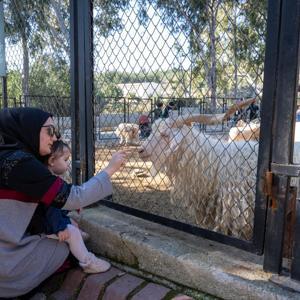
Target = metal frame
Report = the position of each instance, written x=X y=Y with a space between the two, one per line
x=256 y=244
x=82 y=90
x=279 y=83
x=284 y=93
x=267 y=107
x=242 y=244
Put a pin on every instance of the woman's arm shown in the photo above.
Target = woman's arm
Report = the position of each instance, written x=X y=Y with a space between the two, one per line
x=24 y=174
x=96 y=188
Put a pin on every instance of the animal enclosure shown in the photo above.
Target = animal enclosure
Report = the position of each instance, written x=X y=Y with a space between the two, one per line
x=174 y=70
x=197 y=177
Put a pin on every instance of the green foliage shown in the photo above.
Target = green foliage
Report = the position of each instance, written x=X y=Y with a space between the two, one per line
x=49 y=77
x=226 y=45
x=14 y=83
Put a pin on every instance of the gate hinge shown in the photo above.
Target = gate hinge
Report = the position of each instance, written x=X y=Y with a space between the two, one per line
x=268 y=184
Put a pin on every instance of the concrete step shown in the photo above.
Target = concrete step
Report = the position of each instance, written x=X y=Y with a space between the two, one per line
x=170 y=256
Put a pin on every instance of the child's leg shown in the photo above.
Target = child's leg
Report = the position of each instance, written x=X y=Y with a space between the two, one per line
x=76 y=244
x=87 y=260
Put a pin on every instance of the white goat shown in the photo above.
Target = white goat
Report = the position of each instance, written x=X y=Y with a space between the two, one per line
x=251 y=131
x=213 y=179
x=128 y=133
x=245 y=132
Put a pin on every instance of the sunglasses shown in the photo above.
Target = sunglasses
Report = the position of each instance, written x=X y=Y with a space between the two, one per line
x=52 y=130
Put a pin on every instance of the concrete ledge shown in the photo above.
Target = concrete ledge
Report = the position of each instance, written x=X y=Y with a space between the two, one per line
x=197 y=263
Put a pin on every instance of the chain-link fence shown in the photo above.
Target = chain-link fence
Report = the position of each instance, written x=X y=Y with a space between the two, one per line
x=37 y=48
x=167 y=83
x=164 y=73
x=37 y=54
x=189 y=58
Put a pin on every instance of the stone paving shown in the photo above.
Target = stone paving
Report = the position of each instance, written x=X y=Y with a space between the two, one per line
x=114 y=284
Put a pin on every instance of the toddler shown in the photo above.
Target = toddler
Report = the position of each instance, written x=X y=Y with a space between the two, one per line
x=59 y=225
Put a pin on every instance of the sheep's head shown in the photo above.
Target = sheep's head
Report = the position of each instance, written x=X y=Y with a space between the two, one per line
x=163 y=142
x=167 y=135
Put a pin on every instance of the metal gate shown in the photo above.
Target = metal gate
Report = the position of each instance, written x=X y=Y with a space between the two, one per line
x=194 y=60
x=280 y=91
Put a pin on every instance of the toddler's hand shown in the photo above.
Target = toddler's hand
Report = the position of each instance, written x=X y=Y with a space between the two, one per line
x=63 y=235
x=118 y=160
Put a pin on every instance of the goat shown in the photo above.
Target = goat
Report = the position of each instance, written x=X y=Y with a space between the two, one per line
x=128 y=133
x=251 y=131
x=245 y=132
x=214 y=180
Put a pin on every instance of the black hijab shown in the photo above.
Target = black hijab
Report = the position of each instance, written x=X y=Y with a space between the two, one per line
x=19 y=154
x=20 y=129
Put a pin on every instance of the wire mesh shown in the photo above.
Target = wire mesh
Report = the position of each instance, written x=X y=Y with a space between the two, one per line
x=157 y=63
x=37 y=52
x=186 y=58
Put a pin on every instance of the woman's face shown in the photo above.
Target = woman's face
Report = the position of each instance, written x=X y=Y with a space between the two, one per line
x=47 y=137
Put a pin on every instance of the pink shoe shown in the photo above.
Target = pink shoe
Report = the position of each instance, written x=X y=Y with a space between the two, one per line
x=94 y=264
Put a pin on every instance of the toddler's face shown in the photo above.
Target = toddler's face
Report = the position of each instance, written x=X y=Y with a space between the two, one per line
x=59 y=165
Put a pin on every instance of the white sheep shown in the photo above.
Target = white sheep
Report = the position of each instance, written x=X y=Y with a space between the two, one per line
x=128 y=133
x=213 y=179
x=245 y=131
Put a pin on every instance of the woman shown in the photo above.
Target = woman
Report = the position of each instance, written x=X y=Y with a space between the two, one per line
x=26 y=136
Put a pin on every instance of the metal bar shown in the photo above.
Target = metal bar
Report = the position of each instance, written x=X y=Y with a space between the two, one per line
x=295 y=266
x=81 y=90
x=286 y=169
x=75 y=121
x=208 y=234
x=267 y=107
x=283 y=132
x=89 y=84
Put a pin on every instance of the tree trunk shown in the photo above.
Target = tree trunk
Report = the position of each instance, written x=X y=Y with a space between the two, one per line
x=212 y=76
x=235 y=56
x=25 y=77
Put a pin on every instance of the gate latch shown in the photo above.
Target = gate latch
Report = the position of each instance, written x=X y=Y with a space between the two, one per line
x=289 y=170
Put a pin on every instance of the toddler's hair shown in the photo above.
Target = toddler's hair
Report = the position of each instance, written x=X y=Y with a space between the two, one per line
x=58 y=147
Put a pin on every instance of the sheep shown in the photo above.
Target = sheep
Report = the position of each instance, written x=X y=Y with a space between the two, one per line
x=128 y=133
x=213 y=180
x=251 y=131
x=245 y=132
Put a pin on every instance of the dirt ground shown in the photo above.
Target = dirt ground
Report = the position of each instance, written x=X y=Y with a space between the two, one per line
x=134 y=186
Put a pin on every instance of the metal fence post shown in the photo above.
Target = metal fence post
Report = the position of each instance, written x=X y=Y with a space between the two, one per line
x=284 y=116
x=82 y=90
x=267 y=107
x=89 y=86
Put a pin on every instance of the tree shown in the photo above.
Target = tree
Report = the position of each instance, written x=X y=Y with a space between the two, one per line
x=226 y=39
x=42 y=28
x=18 y=28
